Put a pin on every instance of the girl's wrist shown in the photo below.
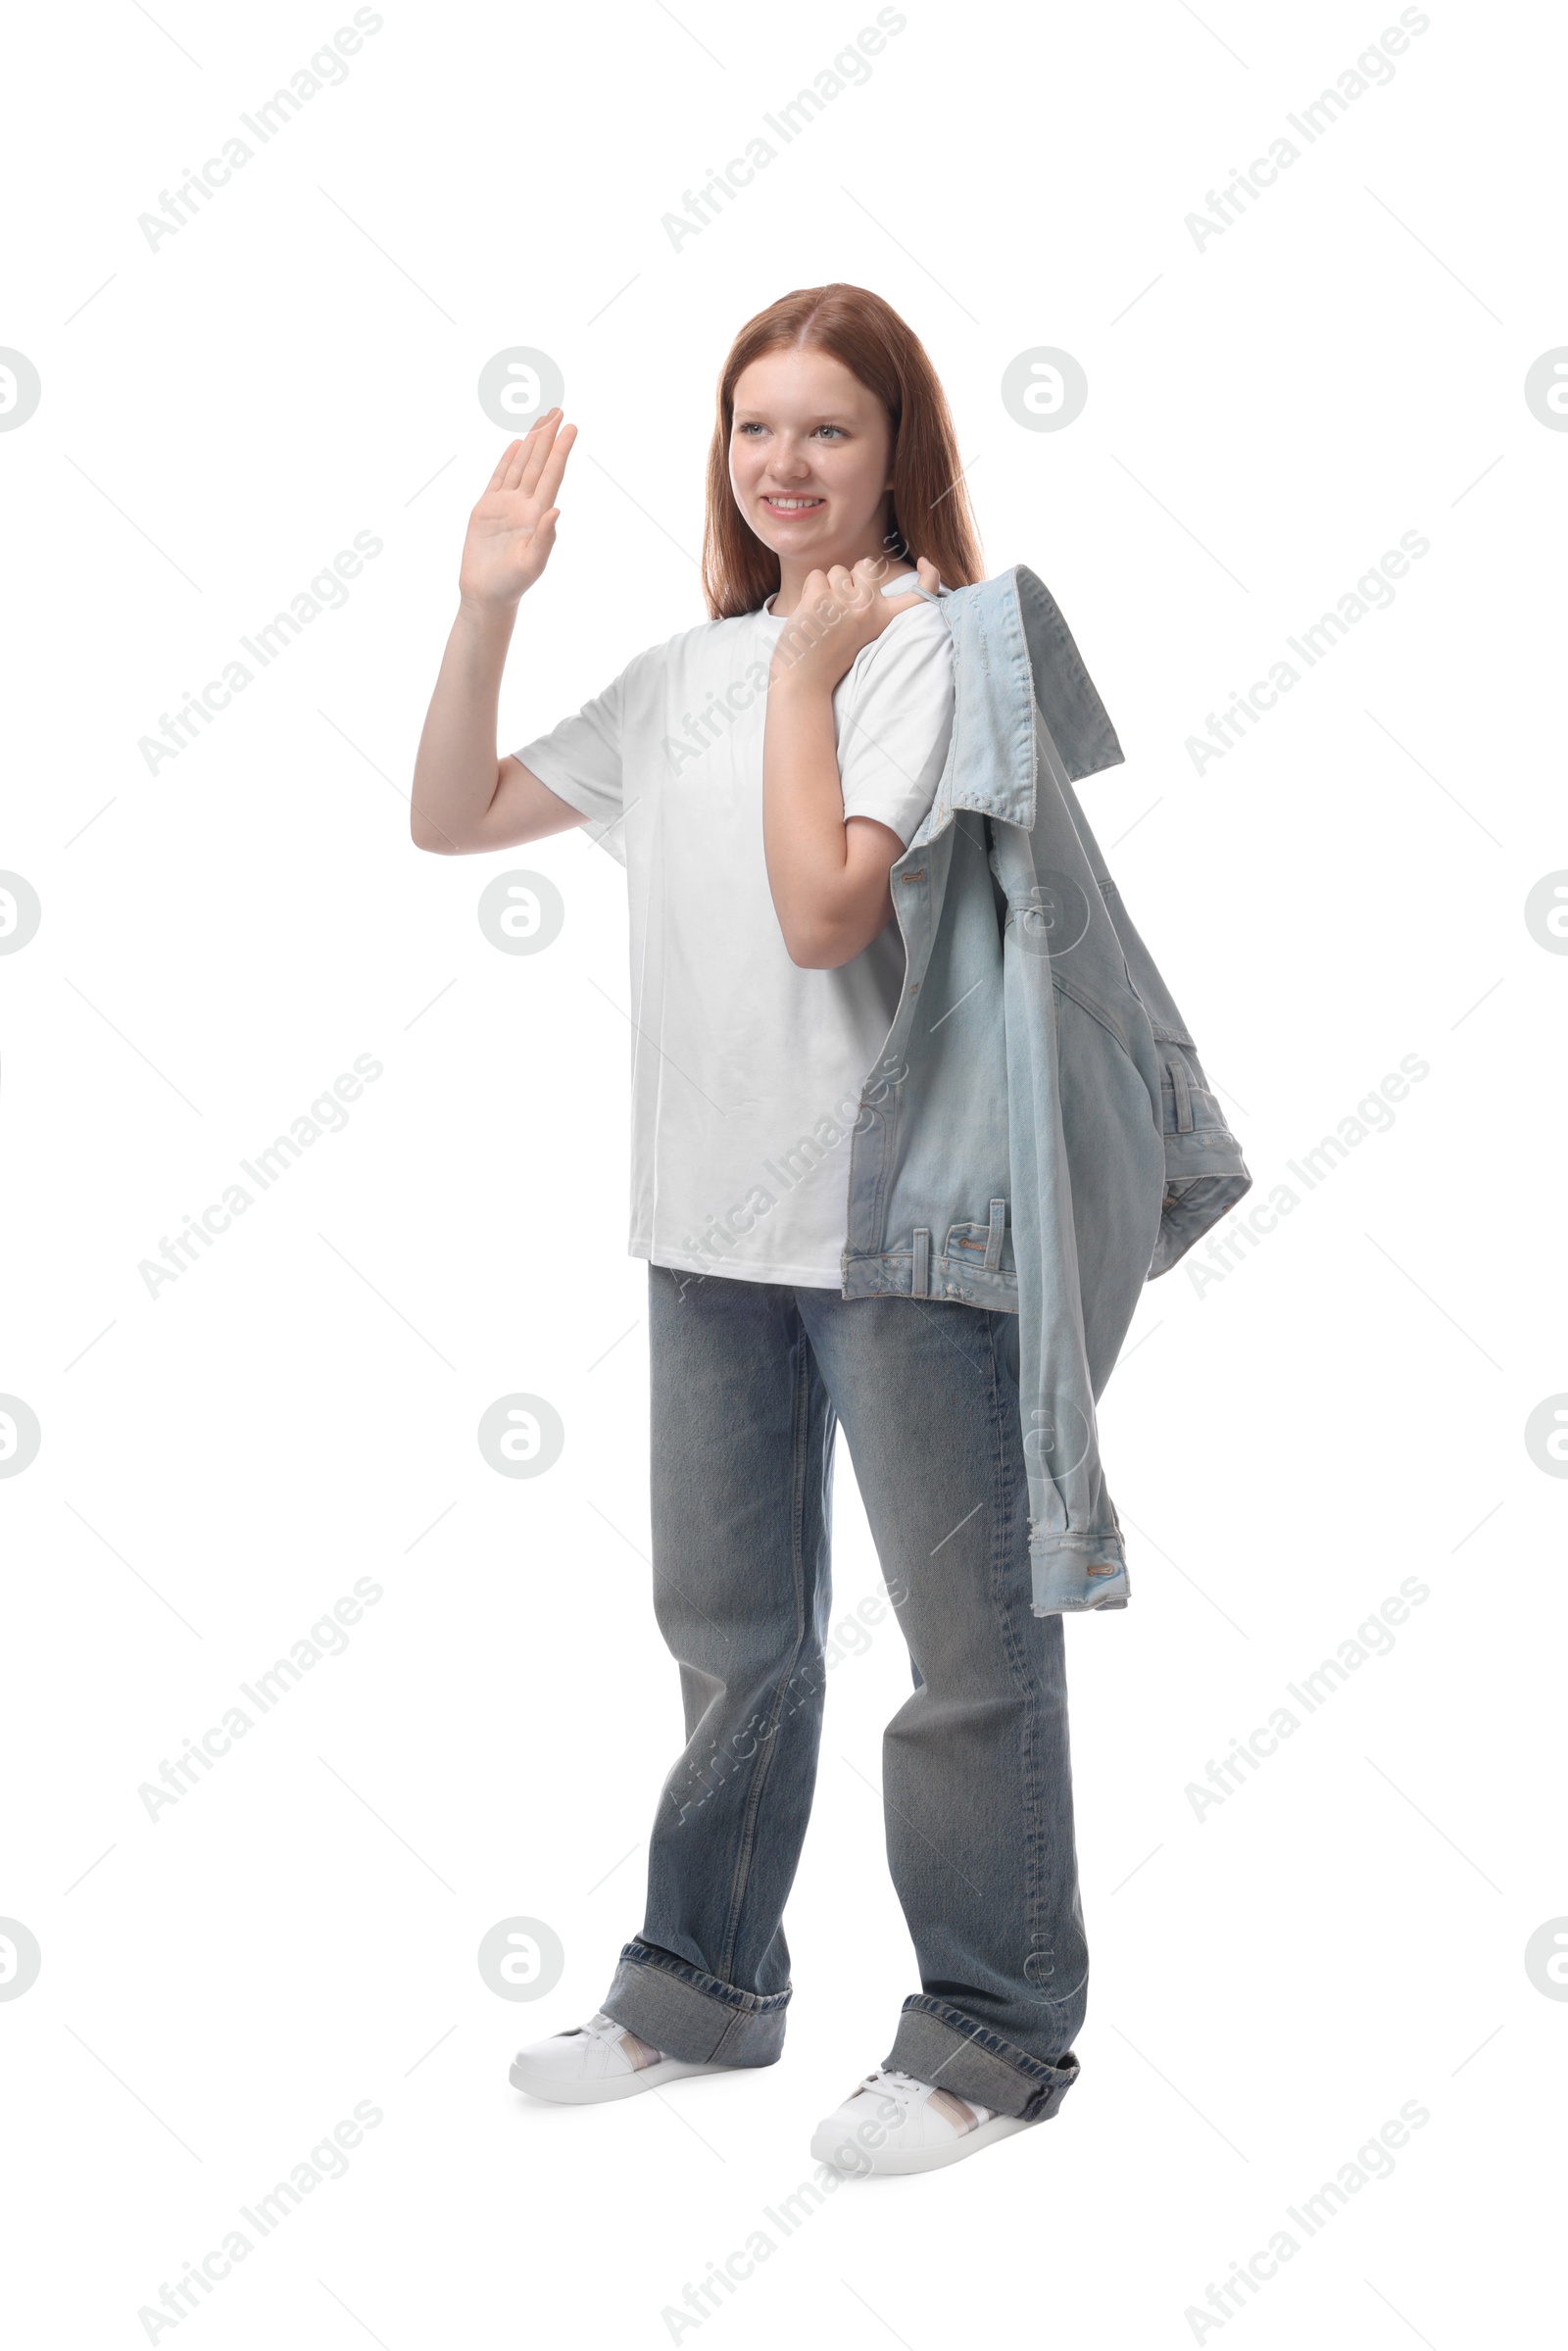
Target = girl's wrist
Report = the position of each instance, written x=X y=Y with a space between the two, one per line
x=796 y=682
x=481 y=618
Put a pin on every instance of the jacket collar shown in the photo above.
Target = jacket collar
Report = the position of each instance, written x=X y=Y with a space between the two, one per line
x=1015 y=669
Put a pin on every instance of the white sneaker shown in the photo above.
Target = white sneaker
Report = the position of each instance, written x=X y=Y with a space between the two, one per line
x=597 y=2060
x=893 y=2123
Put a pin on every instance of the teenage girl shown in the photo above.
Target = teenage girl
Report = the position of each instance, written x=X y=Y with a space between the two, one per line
x=758 y=776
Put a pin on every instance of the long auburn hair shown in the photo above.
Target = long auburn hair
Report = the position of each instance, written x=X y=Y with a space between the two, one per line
x=931 y=513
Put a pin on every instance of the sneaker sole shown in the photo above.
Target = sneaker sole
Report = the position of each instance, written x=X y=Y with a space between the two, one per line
x=831 y=2146
x=559 y=2093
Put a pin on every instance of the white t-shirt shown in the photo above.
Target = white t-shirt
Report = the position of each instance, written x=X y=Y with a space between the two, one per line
x=746 y=1070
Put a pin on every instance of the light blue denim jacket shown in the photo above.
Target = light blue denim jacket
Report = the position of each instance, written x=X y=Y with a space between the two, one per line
x=1038 y=1134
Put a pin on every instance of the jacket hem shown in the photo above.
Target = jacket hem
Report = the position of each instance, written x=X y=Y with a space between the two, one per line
x=890 y=1273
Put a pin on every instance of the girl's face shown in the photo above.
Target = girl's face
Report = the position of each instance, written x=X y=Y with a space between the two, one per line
x=809 y=454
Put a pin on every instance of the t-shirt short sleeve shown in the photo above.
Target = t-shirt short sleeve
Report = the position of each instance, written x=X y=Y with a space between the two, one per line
x=896 y=722
x=580 y=760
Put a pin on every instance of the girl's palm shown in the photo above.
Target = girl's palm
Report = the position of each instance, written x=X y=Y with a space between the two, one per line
x=513 y=527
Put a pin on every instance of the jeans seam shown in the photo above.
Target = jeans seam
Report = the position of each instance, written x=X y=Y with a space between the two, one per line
x=800 y=1435
x=1002 y=1527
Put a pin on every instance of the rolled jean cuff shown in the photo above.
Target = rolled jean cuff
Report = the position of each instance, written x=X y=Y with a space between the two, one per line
x=941 y=2044
x=695 y=2017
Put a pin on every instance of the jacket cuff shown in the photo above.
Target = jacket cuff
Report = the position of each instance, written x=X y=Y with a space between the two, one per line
x=1073 y=1571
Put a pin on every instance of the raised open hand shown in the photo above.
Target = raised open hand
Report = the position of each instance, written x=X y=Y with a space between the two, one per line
x=513 y=527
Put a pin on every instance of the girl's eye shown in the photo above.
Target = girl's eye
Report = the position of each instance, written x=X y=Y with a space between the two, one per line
x=751 y=426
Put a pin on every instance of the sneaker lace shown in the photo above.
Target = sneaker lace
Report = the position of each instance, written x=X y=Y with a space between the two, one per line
x=892 y=2082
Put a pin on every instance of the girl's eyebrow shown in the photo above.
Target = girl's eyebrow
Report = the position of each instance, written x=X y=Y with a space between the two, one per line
x=752 y=415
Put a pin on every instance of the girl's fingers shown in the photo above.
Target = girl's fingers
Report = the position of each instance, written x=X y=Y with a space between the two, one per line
x=498 y=479
x=554 y=465
x=537 y=447
x=853 y=590
x=521 y=453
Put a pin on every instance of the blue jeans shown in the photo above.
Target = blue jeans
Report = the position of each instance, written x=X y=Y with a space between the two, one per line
x=750 y=1381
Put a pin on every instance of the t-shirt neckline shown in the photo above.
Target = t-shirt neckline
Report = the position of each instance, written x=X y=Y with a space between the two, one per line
x=764 y=611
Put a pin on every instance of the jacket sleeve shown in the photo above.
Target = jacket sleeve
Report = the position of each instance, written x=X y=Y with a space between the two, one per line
x=1120 y=1160
x=1205 y=1174
x=1086 y=1189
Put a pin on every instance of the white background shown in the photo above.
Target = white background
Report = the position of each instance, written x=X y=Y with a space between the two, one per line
x=1342 y=1410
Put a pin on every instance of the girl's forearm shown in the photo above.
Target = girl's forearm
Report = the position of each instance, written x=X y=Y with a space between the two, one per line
x=830 y=892
x=456 y=769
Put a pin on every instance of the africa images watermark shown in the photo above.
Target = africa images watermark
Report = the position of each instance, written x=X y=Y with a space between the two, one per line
x=849 y=68
x=327 y=1116
x=706 y=2299
x=327 y=2160
x=326 y=593
x=745 y=698
x=851 y=1637
x=177 y=207
x=1372 y=592
x=1239 y=1235
x=327 y=1638
x=708 y=1251
x=1373 y=1637
x=1373 y=68
x=1373 y=2160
